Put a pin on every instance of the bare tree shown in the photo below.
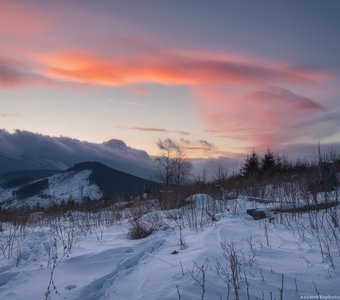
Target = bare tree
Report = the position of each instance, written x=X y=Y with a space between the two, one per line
x=199 y=274
x=173 y=165
x=182 y=167
x=233 y=264
x=221 y=176
x=164 y=161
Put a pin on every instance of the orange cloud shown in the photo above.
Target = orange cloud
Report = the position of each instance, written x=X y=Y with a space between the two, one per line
x=169 y=69
x=129 y=60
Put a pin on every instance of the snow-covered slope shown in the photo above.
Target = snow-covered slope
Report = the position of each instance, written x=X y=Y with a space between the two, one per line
x=61 y=187
x=87 y=180
x=273 y=260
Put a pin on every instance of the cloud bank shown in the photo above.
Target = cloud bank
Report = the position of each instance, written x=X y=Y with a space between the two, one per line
x=27 y=150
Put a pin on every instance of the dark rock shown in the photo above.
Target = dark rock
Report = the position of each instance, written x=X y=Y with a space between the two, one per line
x=257 y=214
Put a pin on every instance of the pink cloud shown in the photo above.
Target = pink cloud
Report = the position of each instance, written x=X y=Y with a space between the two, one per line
x=16 y=74
x=281 y=96
x=272 y=116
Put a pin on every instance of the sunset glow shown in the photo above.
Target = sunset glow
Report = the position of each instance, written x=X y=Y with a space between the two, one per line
x=218 y=83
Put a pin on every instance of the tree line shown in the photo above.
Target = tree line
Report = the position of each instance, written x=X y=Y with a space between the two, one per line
x=175 y=168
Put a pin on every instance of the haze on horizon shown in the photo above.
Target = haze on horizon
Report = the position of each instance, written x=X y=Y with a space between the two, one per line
x=219 y=78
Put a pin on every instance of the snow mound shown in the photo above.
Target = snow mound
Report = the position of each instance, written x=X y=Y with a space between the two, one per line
x=201 y=201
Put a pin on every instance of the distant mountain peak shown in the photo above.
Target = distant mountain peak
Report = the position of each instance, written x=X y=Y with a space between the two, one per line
x=87 y=165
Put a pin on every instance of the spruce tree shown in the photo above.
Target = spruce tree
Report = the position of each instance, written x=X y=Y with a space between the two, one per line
x=268 y=164
x=251 y=166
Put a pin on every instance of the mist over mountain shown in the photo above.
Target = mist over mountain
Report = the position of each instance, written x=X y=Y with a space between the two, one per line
x=24 y=150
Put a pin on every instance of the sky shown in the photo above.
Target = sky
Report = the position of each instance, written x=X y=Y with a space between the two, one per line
x=218 y=77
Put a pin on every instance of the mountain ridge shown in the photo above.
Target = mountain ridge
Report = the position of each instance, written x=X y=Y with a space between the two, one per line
x=86 y=180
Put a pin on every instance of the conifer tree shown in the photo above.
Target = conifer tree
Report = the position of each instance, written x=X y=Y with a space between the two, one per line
x=268 y=164
x=251 y=166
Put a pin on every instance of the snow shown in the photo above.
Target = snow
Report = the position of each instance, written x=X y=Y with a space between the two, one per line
x=104 y=264
x=73 y=186
x=61 y=187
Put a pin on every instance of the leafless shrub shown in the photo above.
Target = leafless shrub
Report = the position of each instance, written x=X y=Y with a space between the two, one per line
x=155 y=219
x=223 y=274
x=325 y=250
x=296 y=286
x=232 y=265
x=19 y=255
x=247 y=284
x=198 y=274
x=54 y=259
x=67 y=234
x=266 y=232
x=335 y=233
x=138 y=229
x=176 y=216
x=316 y=290
x=281 y=289
x=214 y=207
x=234 y=206
x=178 y=293
x=252 y=256
x=195 y=217
x=13 y=240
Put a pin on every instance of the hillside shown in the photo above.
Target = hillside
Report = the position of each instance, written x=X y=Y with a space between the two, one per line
x=18 y=178
x=84 y=181
x=113 y=182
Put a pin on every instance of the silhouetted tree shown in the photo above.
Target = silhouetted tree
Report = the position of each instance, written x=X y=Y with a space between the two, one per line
x=173 y=165
x=165 y=162
x=251 y=166
x=268 y=165
x=181 y=167
x=221 y=176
